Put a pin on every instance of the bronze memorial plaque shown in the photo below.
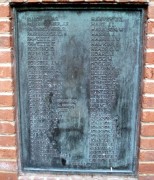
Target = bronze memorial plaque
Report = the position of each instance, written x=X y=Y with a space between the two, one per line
x=78 y=72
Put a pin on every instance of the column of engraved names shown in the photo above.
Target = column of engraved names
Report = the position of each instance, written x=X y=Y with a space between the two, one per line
x=101 y=94
x=38 y=77
x=45 y=86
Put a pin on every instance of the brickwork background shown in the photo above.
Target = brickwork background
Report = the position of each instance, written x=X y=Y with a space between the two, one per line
x=8 y=147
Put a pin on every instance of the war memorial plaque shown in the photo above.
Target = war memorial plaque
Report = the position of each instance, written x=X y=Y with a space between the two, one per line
x=78 y=73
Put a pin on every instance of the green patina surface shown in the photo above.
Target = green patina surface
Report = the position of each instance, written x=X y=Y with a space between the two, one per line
x=79 y=73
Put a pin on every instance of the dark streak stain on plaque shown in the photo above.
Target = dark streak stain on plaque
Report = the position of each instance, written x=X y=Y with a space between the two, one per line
x=79 y=74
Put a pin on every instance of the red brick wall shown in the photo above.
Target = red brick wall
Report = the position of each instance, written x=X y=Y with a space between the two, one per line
x=146 y=158
x=8 y=157
x=8 y=147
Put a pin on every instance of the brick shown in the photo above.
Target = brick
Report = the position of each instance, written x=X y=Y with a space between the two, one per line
x=150 y=27
x=5 y=56
x=148 y=87
x=123 y=1
x=7 y=128
x=6 y=86
x=6 y=100
x=33 y=1
x=5 y=72
x=5 y=41
x=7 y=140
x=8 y=166
x=7 y=153
x=149 y=57
x=147 y=130
x=8 y=176
x=146 y=168
x=50 y=1
x=63 y=1
x=146 y=177
x=149 y=73
x=146 y=155
x=148 y=102
x=96 y=1
x=147 y=143
x=75 y=0
x=80 y=1
x=110 y=0
x=7 y=114
x=5 y=26
x=151 y=12
x=150 y=42
x=4 y=11
x=147 y=116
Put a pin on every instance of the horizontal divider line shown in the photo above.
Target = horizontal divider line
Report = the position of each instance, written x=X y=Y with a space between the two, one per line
x=6 y=65
x=7 y=108
x=148 y=80
x=150 y=35
x=11 y=135
x=145 y=137
x=149 y=50
x=148 y=95
x=146 y=174
x=147 y=123
x=6 y=79
x=150 y=20
x=7 y=122
x=146 y=162
x=149 y=66
x=8 y=148
x=7 y=93
x=5 y=19
x=144 y=150
x=5 y=34
x=5 y=49
x=147 y=110
x=8 y=160
x=4 y=3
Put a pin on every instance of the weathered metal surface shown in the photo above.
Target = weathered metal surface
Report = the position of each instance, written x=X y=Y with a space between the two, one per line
x=79 y=73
